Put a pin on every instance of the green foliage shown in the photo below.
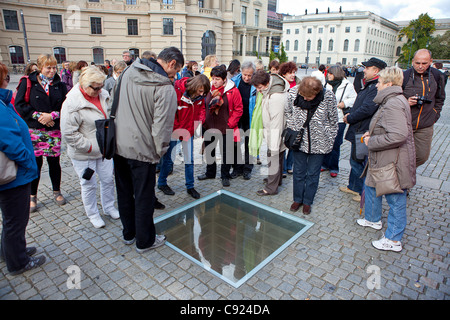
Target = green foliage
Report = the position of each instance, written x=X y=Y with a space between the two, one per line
x=440 y=46
x=281 y=55
x=418 y=33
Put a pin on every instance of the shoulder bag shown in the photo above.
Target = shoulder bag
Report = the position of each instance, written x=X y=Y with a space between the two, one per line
x=293 y=139
x=8 y=169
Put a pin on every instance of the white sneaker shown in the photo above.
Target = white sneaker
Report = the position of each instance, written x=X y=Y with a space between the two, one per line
x=388 y=245
x=113 y=213
x=366 y=223
x=97 y=222
x=159 y=241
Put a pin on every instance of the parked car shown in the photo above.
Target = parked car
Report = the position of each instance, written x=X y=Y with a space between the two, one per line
x=304 y=66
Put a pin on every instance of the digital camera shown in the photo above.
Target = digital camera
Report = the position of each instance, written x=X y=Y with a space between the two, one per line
x=421 y=100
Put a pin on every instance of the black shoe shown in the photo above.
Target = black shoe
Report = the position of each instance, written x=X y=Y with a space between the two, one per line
x=32 y=263
x=234 y=174
x=225 y=182
x=28 y=250
x=247 y=175
x=193 y=193
x=167 y=190
x=158 y=205
x=204 y=177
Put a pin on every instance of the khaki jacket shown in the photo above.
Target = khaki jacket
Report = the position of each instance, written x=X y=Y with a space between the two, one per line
x=392 y=136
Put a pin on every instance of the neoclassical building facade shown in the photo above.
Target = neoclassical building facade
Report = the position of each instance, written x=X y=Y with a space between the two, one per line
x=95 y=30
x=339 y=37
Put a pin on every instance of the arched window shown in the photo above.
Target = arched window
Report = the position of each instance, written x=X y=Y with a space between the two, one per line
x=308 y=45
x=296 y=45
x=98 y=56
x=331 y=45
x=16 y=54
x=356 y=45
x=134 y=53
x=208 y=43
x=60 y=54
x=399 y=50
x=319 y=45
x=288 y=44
x=346 y=45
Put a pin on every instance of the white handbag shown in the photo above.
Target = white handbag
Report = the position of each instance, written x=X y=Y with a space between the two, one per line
x=8 y=169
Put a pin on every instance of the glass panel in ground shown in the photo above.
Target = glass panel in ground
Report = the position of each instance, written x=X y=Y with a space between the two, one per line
x=227 y=234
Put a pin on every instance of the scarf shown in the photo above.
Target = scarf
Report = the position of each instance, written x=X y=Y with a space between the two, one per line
x=256 y=128
x=335 y=84
x=216 y=99
x=309 y=105
x=367 y=81
x=45 y=82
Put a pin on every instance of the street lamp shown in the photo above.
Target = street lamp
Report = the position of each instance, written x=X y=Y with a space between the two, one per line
x=308 y=47
x=410 y=47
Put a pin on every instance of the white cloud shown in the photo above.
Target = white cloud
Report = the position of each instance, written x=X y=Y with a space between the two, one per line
x=398 y=10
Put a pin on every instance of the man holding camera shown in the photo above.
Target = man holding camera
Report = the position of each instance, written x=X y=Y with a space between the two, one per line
x=424 y=87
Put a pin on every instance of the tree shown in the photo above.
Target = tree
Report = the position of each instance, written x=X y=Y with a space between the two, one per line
x=440 y=46
x=418 y=33
x=281 y=55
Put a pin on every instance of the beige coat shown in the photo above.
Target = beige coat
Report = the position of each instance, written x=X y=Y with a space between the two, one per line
x=78 y=124
x=273 y=106
x=392 y=136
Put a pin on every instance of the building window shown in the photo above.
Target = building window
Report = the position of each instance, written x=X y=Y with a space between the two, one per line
x=347 y=29
x=356 y=45
x=358 y=29
x=16 y=54
x=288 y=44
x=56 y=23
x=355 y=61
x=288 y=31
x=297 y=31
x=201 y=3
x=96 y=25
x=296 y=45
x=346 y=45
x=329 y=60
x=60 y=54
x=256 y=17
x=131 y=2
x=399 y=50
x=332 y=29
x=320 y=30
x=255 y=43
x=10 y=18
x=330 y=45
x=94 y=1
x=167 y=1
x=132 y=27
x=309 y=30
x=98 y=55
x=168 y=26
x=134 y=53
x=244 y=15
x=319 y=45
x=308 y=45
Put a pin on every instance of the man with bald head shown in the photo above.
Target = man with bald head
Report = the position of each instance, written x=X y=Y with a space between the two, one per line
x=424 y=87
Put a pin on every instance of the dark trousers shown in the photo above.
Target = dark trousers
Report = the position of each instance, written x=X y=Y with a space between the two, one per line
x=54 y=169
x=331 y=160
x=15 y=206
x=135 y=183
x=227 y=160
x=306 y=176
x=242 y=164
x=275 y=175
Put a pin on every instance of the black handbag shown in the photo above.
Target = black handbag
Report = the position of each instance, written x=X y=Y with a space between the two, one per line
x=106 y=128
x=293 y=139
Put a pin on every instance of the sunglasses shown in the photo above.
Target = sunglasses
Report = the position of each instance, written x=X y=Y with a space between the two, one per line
x=8 y=78
x=96 y=88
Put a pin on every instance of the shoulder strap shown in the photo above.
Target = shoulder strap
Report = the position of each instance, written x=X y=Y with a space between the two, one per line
x=343 y=92
x=406 y=75
x=115 y=102
x=27 y=92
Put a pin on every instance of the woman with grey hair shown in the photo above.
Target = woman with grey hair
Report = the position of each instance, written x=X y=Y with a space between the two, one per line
x=86 y=103
x=345 y=95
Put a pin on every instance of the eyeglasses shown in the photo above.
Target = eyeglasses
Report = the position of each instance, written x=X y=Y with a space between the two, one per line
x=8 y=78
x=96 y=88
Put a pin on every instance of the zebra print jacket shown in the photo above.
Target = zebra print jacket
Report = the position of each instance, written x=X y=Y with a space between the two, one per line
x=318 y=137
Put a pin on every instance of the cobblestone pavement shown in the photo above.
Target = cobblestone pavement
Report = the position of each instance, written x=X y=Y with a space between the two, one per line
x=334 y=259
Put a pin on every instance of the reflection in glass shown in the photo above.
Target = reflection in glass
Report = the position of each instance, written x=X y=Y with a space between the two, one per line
x=231 y=236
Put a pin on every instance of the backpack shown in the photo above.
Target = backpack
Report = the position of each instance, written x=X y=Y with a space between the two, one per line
x=27 y=93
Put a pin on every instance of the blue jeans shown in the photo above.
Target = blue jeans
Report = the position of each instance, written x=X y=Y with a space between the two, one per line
x=396 y=221
x=356 y=183
x=288 y=161
x=167 y=162
x=331 y=160
x=306 y=176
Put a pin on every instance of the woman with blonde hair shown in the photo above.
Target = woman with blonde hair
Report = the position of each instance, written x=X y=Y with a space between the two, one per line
x=40 y=107
x=389 y=140
x=211 y=61
x=86 y=103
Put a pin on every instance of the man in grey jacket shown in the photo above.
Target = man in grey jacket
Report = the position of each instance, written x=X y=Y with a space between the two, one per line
x=144 y=123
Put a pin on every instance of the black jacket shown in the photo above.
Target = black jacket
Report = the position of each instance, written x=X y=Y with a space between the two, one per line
x=39 y=100
x=362 y=111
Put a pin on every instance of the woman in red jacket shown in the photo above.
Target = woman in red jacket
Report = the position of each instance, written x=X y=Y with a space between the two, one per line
x=191 y=94
x=220 y=119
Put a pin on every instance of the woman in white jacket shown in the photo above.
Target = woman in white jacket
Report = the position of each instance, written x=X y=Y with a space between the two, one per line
x=345 y=96
x=85 y=103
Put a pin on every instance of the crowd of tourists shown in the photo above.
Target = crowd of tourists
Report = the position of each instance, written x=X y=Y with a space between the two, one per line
x=164 y=102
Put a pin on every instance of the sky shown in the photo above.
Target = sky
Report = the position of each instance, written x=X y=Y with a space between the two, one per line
x=397 y=10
